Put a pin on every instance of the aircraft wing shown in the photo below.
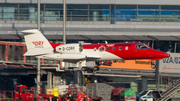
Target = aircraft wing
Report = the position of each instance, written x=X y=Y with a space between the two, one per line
x=69 y=57
x=92 y=58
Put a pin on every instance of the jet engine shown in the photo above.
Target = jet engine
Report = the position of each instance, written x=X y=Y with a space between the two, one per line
x=70 y=48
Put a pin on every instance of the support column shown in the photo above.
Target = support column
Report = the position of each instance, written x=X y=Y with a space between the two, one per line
x=137 y=14
x=38 y=75
x=175 y=47
x=159 y=13
x=54 y=77
x=144 y=84
x=38 y=25
x=24 y=48
x=64 y=21
x=18 y=12
x=114 y=13
x=6 y=53
x=88 y=13
x=152 y=45
x=110 y=13
x=42 y=61
x=49 y=80
x=157 y=75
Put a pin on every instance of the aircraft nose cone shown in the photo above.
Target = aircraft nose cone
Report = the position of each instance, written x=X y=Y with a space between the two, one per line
x=163 y=55
x=159 y=54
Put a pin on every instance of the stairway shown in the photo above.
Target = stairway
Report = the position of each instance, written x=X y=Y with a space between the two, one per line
x=173 y=89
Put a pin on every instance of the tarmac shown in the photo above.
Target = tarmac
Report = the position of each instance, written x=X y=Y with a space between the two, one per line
x=175 y=100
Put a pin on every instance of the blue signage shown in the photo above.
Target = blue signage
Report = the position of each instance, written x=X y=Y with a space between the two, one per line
x=175 y=60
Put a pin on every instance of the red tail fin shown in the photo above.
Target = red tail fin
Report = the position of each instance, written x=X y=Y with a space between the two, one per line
x=54 y=45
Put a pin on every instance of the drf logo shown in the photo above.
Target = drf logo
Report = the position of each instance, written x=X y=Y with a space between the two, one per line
x=38 y=44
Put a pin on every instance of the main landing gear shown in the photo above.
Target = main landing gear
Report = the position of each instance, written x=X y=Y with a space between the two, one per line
x=90 y=70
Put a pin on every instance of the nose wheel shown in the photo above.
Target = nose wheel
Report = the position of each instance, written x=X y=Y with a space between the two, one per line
x=153 y=65
x=84 y=68
x=90 y=70
x=96 y=68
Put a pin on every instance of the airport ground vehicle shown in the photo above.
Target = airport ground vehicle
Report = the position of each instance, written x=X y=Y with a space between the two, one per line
x=77 y=94
x=145 y=95
x=24 y=94
x=123 y=94
x=69 y=94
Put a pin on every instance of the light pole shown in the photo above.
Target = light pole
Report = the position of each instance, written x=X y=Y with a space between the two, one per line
x=64 y=27
x=38 y=20
x=38 y=61
x=64 y=21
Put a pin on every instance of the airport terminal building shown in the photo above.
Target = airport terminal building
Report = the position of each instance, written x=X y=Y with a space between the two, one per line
x=154 y=22
x=94 y=21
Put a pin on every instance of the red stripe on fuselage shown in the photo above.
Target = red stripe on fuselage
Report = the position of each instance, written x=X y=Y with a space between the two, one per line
x=130 y=53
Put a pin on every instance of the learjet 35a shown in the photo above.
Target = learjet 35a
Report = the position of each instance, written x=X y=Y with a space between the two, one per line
x=39 y=46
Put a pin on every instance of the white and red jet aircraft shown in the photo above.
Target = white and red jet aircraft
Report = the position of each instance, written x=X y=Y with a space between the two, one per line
x=38 y=45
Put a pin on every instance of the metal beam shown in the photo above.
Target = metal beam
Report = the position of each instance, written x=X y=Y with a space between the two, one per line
x=38 y=24
x=64 y=21
x=38 y=75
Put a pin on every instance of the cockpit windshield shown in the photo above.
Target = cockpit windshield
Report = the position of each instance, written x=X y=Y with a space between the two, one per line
x=142 y=46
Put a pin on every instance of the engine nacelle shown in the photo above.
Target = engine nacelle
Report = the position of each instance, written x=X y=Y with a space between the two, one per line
x=69 y=48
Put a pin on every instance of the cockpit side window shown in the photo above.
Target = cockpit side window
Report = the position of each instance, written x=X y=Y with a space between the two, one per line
x=141 y=46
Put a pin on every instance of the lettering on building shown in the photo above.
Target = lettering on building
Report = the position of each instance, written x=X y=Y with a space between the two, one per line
x=143 y=62
x=175 y=60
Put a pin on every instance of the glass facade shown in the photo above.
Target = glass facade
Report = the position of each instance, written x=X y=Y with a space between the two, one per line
x=148 y=13
x=96 y=12
x=125 y=12
x=8 y=11
x=91 y=12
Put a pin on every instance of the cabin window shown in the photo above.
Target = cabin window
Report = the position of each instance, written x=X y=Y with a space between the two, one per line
x=101 y=48
x=141 y=46
x=120 y=48
x=113 y=48
x=107 y=48
x=126 y=48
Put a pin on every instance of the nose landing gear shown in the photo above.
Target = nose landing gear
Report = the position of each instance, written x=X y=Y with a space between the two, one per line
x=153 y=65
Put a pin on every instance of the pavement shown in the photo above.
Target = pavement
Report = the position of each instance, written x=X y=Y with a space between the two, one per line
x=175 y=100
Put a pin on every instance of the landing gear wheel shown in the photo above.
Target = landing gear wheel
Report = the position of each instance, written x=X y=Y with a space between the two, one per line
x=34 y=99
x=96 y=68
x=89 y=70
x=153 y=66
x=20 y=99
x=84 y=69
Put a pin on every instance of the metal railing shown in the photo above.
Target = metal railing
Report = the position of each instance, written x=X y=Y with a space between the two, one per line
x=95 y=20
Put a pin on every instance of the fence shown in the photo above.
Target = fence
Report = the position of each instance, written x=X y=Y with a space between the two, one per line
x=6 y=95
x=97 y=19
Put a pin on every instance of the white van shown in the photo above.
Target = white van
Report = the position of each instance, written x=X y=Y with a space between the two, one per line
x=145 y=95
